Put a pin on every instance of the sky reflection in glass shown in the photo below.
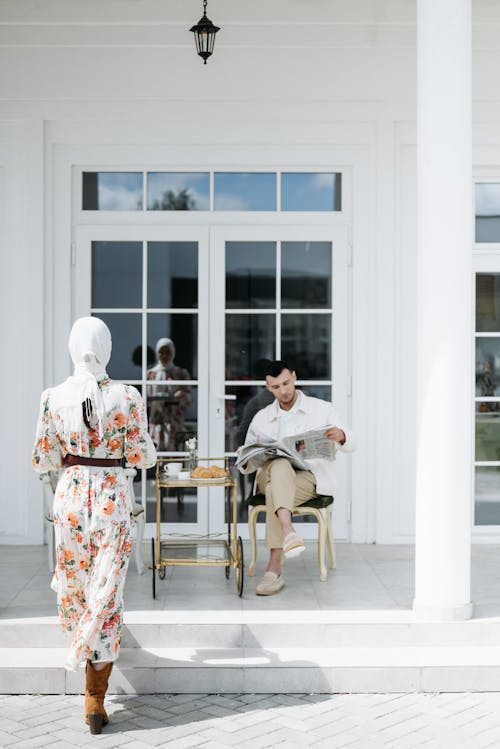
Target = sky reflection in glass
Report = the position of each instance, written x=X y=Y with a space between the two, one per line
x=304 y=191
x=112 y=191
x=178 y=191
x=244 y=191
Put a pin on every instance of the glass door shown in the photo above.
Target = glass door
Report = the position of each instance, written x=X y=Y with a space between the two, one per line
x=277 y=293
x=150 y=286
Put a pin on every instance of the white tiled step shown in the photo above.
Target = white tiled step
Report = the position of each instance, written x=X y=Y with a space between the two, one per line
x=258 y=670
x=273 y=629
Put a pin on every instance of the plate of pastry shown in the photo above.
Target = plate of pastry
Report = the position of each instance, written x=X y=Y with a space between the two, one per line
x=209 y=474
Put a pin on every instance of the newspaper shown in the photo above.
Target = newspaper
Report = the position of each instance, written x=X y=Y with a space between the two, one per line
x=298 y=448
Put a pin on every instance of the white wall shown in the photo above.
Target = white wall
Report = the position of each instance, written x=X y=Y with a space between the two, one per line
x=322 y=82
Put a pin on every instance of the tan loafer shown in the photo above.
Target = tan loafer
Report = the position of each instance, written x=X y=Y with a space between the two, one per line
x=271 y=583
x=293 y=545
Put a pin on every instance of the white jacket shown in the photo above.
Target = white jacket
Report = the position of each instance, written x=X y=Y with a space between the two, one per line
x=311 y=413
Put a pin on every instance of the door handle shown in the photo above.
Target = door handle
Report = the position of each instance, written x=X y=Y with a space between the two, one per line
x=226 y=397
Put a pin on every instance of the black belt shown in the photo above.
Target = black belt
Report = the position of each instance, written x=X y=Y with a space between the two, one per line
x=77 y=460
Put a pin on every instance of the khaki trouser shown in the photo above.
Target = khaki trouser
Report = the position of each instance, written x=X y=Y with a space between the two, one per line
x=283 y=487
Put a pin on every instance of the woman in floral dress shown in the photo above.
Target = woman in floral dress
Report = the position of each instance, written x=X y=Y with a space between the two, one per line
x=168 y=402
x=89 y=426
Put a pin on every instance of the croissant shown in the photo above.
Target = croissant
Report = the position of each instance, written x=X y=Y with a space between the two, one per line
x=217 y=472
x=201 y=473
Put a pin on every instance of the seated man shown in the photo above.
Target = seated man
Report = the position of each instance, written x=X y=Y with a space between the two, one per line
x=292 y=412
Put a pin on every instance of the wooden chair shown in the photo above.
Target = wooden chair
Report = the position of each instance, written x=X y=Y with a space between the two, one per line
x=320 y=507
x=49 y=481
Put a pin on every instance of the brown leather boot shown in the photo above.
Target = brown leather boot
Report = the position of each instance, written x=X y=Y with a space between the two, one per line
x=95 y=691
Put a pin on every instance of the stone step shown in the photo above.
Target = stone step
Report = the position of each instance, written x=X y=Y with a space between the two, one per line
x=258 y=629
x=260 y=670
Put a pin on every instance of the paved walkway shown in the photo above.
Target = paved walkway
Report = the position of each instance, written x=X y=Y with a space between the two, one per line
x=395 y=721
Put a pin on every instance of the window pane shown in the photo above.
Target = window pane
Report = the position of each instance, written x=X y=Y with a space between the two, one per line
x=116 y=275
x=311 y=191
x=172 y=274
x=239 y=413
x=487 y=367
x=177 y=191
x=250 y=274
x=177 y=505
x=306 y=269
x=172 y=414
x=306 y=345
x=247 y=191
x=487 y=505
x=487 y=198
x=182 y=330
x=126 y=332
x=488 y=431
x=488 y=302
x=317 y=391
x=248 y=339
x=112 y=191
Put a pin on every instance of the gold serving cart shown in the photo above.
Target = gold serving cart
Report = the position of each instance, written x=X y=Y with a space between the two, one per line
x=205 y=550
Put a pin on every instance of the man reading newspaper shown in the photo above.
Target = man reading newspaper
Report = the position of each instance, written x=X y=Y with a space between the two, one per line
x=292 y=444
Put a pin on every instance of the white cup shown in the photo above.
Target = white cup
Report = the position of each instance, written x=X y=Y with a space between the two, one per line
x=184 y=475
x=172 y=469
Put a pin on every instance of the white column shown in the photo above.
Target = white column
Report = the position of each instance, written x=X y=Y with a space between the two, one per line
x=444 y=311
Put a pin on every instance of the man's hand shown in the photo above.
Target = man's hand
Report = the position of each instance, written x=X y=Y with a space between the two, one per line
x=335 y=434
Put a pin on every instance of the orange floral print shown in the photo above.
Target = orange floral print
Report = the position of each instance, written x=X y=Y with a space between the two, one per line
x=114 y=443
x=133 y=457
x=119 y=420
x=109 y=508
x=109 y=482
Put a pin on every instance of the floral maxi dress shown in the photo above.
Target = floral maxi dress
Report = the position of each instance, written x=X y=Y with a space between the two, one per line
x=92 y=520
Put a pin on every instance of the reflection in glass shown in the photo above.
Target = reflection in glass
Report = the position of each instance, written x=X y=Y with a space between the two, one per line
x=306 y=270
x=172 y=274
x=171 y=405
x=112 y=191
x=172 y=412
x=317 y=391
x=250 y=274
x=177 y=505
x=178 y=191
x=182 y=329
x=306 y=345
x=487 y=198
x=488 y=431
x=488 y=302
x=240 y=412
x=487 y=495
x=116 y=275
x=126 y=332
x=302 y=191
x=246 y=191
x=248 y=339
x=487 y=367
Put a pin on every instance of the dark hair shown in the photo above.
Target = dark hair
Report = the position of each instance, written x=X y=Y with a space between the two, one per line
x=275 y=368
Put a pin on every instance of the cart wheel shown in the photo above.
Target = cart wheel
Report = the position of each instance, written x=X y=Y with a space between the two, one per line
x=240 y=568
x=227 y=571
x=153 y=566
x=162 y=572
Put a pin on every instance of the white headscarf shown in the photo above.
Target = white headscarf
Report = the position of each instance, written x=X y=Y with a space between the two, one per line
x=162 y=342
x=90 y=348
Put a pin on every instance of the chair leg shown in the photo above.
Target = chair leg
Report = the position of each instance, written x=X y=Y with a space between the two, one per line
x=330 y=540
x=139 y=537
x=321 y=545
x=252 y=531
